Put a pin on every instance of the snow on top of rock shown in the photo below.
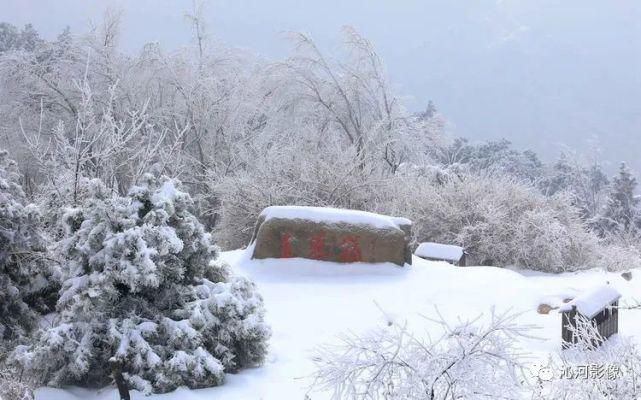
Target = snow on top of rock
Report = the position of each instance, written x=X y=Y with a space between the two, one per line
x=591 y=303
x=334 y=215
x=439 y=251
x=402 y=221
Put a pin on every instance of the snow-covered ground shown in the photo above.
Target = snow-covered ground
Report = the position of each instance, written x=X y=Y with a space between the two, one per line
x=311 y=303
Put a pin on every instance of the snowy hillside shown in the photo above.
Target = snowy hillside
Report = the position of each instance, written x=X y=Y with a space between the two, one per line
x=310 y=303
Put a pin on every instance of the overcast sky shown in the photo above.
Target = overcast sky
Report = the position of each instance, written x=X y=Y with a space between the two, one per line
x=546 y=74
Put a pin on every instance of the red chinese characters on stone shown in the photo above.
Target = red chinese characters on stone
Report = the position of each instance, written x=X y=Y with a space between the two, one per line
x=286 y=250
x=350 y=249
x=317 y=246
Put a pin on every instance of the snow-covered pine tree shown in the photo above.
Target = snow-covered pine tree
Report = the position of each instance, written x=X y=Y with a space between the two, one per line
x=144 y=286
x=621 y=214
x=21 y=254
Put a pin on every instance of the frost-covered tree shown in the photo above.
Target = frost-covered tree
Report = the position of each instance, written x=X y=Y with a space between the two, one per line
x=621 y=214
x=594 y=191
x=586 y=185
x=13 y=39
x=350 y=100
x=497 y=157
x=493 y=158
x=563 y=176
x=145 y=287
x=9 y=37
x=430 y=111
x=456 y=152
x=22 y=273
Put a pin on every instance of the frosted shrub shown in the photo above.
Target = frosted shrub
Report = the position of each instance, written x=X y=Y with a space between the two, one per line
x=500 y=221
x=467 y=361
x=619 y=257
x=144 y=285
x=551 y=237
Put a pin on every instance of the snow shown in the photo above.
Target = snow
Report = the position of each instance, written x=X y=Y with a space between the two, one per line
x=166 y=193
x=311 y=303
x=334 y=215
x=594 y=301
x=439 y=251
x=401 y=221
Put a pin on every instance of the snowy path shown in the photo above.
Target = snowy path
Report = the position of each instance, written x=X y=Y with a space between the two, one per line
x=310 y=303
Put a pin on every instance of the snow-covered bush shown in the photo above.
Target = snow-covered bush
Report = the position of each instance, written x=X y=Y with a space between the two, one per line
x=468 y=361
x=551 y=237
x=144 y=285
x=288 y=175
x=619 y=257
x=498 y=220
x=23 y=276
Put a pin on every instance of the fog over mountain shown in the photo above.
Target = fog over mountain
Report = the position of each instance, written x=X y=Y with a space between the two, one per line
x=546 y=74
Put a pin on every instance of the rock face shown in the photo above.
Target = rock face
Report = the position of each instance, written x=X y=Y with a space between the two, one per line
x=341 y=242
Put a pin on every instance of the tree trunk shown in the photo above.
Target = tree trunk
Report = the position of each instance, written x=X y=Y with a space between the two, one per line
x=116 y=373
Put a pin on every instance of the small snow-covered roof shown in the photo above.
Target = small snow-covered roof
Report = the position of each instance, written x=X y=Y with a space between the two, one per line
x=440 y=251
x=334 y=215
x=593 y=302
